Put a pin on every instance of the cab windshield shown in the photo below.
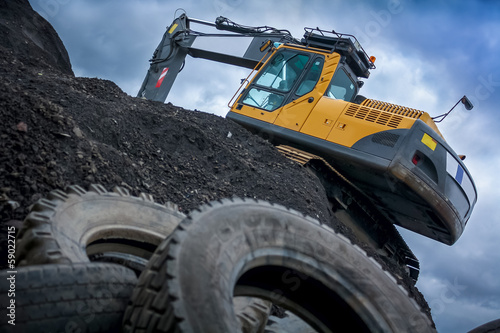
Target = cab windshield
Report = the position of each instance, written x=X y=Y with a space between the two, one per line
x=277 y=79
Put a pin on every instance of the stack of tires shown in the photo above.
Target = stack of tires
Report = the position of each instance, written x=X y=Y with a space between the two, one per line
x=99 y=261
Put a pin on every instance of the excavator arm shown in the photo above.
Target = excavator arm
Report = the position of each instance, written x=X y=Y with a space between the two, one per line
x=177 y=42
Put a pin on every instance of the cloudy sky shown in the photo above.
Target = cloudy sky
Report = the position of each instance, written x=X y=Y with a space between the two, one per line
x=429 y=54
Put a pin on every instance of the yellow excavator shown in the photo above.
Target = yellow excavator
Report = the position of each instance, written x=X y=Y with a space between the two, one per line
x=386 y=161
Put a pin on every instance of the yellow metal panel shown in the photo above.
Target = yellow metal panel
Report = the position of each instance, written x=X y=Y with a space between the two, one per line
x=392 y=108
x=358 y=121
x=403 y=111
x=331 y=62
x=324 y=116
x=256 y=113
x=295 y=113
x=428 y=120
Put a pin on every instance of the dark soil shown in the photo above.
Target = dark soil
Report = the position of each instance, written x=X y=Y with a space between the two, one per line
x=57 y=129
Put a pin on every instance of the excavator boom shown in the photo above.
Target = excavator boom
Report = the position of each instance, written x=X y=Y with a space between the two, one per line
x=177 y=42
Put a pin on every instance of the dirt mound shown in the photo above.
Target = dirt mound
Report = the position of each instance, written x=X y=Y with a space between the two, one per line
x=57 y=130
x=24 y=33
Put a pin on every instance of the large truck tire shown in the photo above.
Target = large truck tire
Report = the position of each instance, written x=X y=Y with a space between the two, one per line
x=252 y=313
x=290 y=323
x=69 y=226
x=252 y=248
x=87 y=297
x=144 y=311
x=490 y=327
x=77 y=226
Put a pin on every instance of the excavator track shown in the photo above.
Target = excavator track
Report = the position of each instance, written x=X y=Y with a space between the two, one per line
x=356 y=211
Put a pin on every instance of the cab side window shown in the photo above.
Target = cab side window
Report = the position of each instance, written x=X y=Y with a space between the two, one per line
x=309 y=82
x=341 y=87
x=263 y=99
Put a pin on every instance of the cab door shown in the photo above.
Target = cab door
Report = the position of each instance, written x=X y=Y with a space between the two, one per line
x=324 y=122
x=303 y=97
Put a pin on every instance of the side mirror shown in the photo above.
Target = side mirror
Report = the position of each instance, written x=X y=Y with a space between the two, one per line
x=467 y=103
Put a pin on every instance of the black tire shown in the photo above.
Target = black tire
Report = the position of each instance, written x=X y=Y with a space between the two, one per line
x=88 y=297
x=246 y=247
x=252 y=313
x=76 y=226
x=288 y=324
x=490 y=327
x=69 y=226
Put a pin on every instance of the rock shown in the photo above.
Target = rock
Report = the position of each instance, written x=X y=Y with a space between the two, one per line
x=78 y=132
x=22 y=127
x=13 y=205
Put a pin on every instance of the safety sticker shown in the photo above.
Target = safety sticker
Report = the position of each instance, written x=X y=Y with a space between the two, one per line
x=172 y=28
x=162 y=76
x=429 y=141
x=455 y=170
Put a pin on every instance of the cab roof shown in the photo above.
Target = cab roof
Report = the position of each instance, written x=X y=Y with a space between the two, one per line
x=344 y=44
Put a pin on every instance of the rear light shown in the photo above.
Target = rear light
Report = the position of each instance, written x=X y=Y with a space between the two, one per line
x=415 y=159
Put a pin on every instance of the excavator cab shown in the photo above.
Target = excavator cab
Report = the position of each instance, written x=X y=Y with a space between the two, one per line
x=303 y=96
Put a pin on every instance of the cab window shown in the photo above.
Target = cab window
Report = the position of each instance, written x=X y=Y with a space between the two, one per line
x=341 y=87
x=263 y=99
x=283 y=71
x=276 y=80
x=309 y=82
